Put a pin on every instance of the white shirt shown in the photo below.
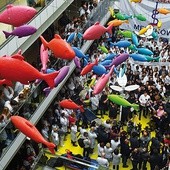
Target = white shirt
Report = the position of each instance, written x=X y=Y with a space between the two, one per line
x=115 y=144
x=144 y=99
x=100 y=149
x=108 y=152
x=102 y=162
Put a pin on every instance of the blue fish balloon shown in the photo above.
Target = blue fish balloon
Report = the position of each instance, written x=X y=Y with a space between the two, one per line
x=138 y=57
x=121 y=43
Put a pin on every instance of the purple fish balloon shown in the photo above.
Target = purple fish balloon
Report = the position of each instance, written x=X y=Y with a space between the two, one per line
x=22 y=31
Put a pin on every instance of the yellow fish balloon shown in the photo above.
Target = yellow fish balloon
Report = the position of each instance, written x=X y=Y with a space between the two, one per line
x=112 y=13
x=143 y=30
x=159 y=24
x=136 y=1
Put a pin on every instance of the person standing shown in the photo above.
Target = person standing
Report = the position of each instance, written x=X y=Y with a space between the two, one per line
x=73 y=133
x=87 y=142
x=103 y=103
x=125 y=151
x=103 y=162
x=55 y=136
x=108 y=151
x=144 y=102
x=8 y=92
x=92 y=136
x=116 y=159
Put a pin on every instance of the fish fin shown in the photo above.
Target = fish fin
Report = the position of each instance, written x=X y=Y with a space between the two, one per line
x=57 y=36
x=17 y=56
x=112 y=44
x=49 y=78
x=157 y=59
x=97 y=23
x=135 y=106
x=44 y=42
x=96 y=61
x=19 y=52
x=7 y=34
x=81 y=108
x=50 y=146
x=109 y=29
x=8 y=82
x=24 y=82
x=9 y=6
x=126 y=21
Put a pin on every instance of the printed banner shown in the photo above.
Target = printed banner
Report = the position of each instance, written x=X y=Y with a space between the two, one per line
x=147 y=9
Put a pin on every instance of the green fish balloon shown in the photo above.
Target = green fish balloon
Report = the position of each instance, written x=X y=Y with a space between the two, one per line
x=140 y=17
x=117 y=99
x=126 y=33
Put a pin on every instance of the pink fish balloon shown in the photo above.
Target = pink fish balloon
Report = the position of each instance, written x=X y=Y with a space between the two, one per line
x=44 y=58
x=101 y=83
x=96 y=31
x=17 y=15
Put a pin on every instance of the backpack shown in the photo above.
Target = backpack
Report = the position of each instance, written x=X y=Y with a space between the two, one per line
x=80 y=142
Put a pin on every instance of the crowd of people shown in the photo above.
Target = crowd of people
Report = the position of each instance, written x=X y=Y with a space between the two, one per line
x=114 y=140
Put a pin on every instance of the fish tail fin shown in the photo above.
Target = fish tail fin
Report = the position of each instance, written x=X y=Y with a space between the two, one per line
x=112 y=44
x=157 y=59
x=51 y=147
x=135 y=106
x=7 y=34
x=109 y=29
x=126 y=21
x=96 y=61
x=44 y=42
x=49 y=78
x=81 y=108
x=119 y=32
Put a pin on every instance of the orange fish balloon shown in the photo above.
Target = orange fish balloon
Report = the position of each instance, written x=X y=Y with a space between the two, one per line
x=29 y=130
x=117 y=22
x=163 y=11
x=59 y=47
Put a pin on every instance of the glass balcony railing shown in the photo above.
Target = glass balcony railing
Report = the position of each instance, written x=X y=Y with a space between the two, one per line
x=102 y=15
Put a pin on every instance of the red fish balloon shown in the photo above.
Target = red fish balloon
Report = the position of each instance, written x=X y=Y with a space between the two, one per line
x=14 y=68
x=69 y=104
x=88 y=67
x=29 y=130
x=59 y=47
x=17 y=15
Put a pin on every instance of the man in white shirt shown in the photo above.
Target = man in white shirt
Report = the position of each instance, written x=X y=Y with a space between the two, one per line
x=144 y=104
x=103 y=162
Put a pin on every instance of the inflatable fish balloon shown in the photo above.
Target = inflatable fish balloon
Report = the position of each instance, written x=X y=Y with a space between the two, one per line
x=21 y=31
x=17 y=15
